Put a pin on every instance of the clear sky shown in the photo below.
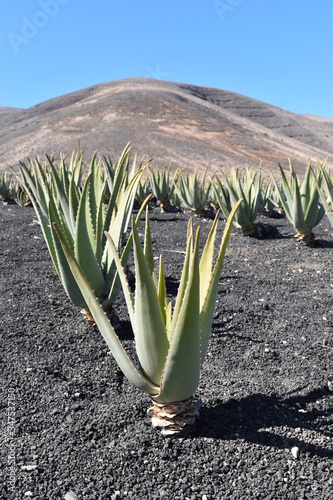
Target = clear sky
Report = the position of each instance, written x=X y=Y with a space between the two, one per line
x=277 y=51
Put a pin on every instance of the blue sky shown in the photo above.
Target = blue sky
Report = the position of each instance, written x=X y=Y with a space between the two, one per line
x=279 y=52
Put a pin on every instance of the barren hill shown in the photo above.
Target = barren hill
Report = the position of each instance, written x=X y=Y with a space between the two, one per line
x=189 y=126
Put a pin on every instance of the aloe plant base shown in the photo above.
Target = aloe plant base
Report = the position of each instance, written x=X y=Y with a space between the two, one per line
x=306 y=238
x=260 y=231
x=176 y=419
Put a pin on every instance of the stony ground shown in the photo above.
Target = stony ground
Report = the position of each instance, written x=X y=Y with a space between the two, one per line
x=73 y=428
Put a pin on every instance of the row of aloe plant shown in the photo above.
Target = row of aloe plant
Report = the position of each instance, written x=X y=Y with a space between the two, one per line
x=304 y=204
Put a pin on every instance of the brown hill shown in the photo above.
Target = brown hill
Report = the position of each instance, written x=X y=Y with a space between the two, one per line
x=186 y=125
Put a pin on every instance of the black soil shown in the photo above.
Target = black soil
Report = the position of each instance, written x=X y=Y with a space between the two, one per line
x=74 y=428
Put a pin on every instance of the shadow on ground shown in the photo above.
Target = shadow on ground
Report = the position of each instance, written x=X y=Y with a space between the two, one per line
x=247 y=419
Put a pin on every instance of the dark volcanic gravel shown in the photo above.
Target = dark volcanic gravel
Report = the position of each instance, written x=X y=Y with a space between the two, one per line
x=72 y=426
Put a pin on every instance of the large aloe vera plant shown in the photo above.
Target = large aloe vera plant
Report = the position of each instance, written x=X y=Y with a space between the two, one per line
x=83 y=219
x=301 y=201
x=170 y=344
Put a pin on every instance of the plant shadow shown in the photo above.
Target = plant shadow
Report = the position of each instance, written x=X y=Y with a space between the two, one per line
x=247 y=419
x=318 y=243
x=167 y=219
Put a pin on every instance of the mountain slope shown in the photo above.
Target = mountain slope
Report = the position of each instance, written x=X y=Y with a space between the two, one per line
x=186 y=125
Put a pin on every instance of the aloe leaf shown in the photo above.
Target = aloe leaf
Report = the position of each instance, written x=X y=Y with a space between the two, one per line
x=64 y=271
x=196 y=198
x=117 y=186
x=28 y=184
x=55 y=215
x=328 y=178
x=241 y=216
x=162 y=293
x=313 y=213
x=96 y=196
x=286 y=196
x=297 y=213
x=66 y=276
x=181 y=373
x=206 y=262
x=125 y=201
x=305 y=189
x=165 y=182
x=112 y=282
x=154 y=183
x=122 y=276
x=207 y=195
x=100 y=224
x=74 y=200
x=208 y=304
x=245 y=215
x=168 y=317
x=94 y=181
x=124 y=361
x=149 y=329
x=61 y=194
x=189 y=195
x=41 y=183
x=148 y=250
x=85 y=243
x=77 y=167
x=64 y=175
x=46 y=231
x=256 y=197
x=183 y=280
x=323 y=196
x=220 y=193
x=132 y=171
x=109 y=217
x=55 y=249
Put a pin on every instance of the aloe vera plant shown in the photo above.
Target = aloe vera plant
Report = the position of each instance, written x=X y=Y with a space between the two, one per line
x=143 y=190
x=170 y=344
x=20 y=196
x=79 y=212
x=162 y=187
x=246 y=185
x=193 y=193
x=6 y=186
x=301 y=202
x=272 y=202
x=325 y=189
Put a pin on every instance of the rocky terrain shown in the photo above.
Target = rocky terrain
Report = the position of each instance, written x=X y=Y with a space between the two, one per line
x=73 y=428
